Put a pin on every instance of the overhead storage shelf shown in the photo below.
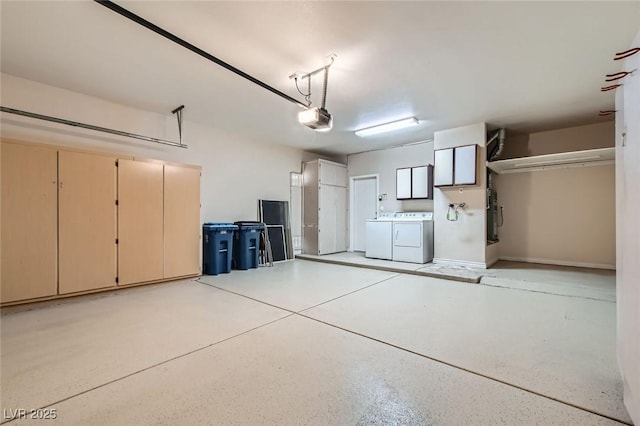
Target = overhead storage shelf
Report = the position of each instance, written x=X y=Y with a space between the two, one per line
x=591 y=157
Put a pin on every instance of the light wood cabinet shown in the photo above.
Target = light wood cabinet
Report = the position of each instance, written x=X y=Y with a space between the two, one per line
x=181 y=221
x=74 y=222
x=140 y=221
x=87 y=221
x=29 y=222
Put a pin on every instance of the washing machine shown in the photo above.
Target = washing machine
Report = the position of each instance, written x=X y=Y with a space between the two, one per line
x=379 y=239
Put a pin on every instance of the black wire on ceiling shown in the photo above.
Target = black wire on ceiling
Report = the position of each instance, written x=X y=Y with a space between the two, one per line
x=166 y=34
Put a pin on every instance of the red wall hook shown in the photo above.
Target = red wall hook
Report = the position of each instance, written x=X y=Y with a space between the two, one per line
x=626 y=53
x=612 y=87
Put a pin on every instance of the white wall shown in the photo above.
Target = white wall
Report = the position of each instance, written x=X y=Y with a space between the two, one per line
x=235 y=172
x=559 y=216
x=385 y=162
x=628 y=233
x=463 y=241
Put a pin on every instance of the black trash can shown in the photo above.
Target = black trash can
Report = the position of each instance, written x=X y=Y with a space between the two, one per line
x=246 y=245
x=217 y=247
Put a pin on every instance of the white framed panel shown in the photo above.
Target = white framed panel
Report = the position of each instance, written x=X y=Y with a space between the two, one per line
x=443 y=167
x=465 y=159
x=421 y=182
x=403 y=183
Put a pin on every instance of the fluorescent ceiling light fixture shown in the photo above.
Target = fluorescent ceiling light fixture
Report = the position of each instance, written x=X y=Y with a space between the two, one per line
x=388 y=127
x=316 y=118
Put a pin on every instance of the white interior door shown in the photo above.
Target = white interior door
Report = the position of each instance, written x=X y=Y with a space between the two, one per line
x=365 y=206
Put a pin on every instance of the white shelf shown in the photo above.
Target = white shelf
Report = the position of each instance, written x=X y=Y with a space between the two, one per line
x=590 y=157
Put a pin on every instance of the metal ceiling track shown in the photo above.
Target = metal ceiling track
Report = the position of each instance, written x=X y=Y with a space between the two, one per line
x=166 y=34
x=102 y=129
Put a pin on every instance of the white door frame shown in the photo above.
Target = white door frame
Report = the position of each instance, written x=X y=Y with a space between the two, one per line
x=352 y=202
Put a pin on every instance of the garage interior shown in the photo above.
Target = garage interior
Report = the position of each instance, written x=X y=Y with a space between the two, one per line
x=476 y=267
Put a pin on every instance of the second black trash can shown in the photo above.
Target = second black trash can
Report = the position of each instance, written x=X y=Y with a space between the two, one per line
x=246 y=245
x=217 y=247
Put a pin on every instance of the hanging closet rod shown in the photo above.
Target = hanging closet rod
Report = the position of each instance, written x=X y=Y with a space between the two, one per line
x=166 y=34
x=90 y=127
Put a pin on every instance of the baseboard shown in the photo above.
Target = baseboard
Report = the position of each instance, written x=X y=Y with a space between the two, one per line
x=492 y=261
x=452 y=262
x=559 y=262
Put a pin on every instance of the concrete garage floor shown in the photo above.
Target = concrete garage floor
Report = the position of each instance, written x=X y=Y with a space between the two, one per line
x=569 y=281
x=313 y=343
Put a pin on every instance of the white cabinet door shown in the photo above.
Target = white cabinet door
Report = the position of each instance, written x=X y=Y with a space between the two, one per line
x=403 y=183
x=326 y=219
x=332 y=174
x=421 y=182
x=443 y=167
x=465 y=165
x=332 y=219
x=340 y=229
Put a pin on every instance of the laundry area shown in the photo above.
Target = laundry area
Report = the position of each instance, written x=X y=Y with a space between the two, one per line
x=319 y=213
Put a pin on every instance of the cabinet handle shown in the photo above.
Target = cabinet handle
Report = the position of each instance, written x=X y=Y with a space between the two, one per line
x=397 y=231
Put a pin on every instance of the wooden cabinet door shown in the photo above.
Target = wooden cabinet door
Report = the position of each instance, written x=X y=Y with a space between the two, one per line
x=87 y=222
x=29 y=222
x=181 y=221
x=140 y=221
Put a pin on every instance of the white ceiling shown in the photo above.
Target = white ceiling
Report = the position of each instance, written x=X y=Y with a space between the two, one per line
x=526 y=66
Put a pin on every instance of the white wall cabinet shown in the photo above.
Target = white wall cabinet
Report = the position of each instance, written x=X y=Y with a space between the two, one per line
x=456 y=166
x=414 y=182
x=324 y=207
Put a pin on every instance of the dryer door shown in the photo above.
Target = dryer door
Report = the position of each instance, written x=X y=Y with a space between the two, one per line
x=408 y=242
x=407 y=234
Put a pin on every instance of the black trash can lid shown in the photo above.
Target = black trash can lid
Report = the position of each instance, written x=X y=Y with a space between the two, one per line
x=247 y=224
